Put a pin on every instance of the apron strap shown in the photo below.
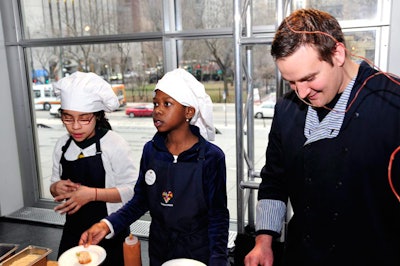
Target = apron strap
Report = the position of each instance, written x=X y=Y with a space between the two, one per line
x=65 y=147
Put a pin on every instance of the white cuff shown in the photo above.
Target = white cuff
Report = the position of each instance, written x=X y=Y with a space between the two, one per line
x=270 y=215
x=111 y=234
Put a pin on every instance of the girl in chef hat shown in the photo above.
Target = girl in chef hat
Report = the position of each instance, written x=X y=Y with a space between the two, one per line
x=93 y=169
x=182 y=180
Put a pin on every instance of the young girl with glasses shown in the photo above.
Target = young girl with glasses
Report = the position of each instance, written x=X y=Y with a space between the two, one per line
x=93 y=168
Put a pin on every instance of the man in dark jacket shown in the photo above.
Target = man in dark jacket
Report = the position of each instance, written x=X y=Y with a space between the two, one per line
x=329 y=151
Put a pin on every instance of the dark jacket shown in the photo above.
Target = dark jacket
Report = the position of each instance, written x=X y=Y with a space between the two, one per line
x=214 y=189
x=345 y=212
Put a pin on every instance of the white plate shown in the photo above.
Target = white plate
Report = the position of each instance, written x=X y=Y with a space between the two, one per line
x=69 y=258
x=183 y=262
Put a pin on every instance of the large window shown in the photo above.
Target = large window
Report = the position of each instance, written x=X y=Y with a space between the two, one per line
x=132 y=43
x=346 y=10
x=70 y=18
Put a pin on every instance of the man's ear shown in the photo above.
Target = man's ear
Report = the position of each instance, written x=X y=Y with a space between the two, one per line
x=339 y=56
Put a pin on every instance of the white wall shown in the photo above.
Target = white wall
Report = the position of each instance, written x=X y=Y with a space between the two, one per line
x=394 y=39
x=10 y=176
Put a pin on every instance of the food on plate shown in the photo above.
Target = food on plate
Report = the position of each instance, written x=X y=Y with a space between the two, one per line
x=83 y=257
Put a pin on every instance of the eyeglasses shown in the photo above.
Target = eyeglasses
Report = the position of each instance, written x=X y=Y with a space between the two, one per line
x=69 y=120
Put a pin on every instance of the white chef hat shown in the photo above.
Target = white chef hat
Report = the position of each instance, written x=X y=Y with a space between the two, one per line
x=86 y=92
x=188 y=91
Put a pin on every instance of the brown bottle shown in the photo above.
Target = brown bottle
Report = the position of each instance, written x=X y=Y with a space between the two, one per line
x=132 y=255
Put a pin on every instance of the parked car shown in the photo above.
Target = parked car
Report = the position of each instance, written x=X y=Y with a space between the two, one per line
x=55 y=110
x=140 y=109
x=44 y=96
x=264 y=110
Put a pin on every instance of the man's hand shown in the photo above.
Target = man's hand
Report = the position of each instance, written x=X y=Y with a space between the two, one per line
x=262 y=253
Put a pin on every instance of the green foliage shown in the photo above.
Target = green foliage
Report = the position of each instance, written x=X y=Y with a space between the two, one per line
x=214 y=89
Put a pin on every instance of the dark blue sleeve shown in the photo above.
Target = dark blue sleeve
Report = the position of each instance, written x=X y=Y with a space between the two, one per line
x=138 y=205
x=215 y=188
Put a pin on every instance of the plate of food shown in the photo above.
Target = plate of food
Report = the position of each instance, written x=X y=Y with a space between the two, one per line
x=93 y=255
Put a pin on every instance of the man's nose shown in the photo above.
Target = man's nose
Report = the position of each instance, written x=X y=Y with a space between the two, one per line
x=302 y=89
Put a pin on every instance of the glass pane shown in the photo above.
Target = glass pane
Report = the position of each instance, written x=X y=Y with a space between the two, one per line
x=205 y=14
x=343 y=10
x=210 y=61
x=72 y=18
x=131 y=68
x=264 y=12
x=361 y=44
x=264 y=73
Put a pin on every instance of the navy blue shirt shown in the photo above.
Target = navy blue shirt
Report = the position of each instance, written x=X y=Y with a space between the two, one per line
x=214 y=188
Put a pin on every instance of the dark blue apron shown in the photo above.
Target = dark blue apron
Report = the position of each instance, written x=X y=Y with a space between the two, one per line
x=179 y=227
x=88 y=171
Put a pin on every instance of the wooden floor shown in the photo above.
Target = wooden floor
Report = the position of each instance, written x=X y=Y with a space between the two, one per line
x=25 y=233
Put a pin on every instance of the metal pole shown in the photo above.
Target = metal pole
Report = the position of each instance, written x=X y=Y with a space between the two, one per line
x=250 y=113
x=238 y=115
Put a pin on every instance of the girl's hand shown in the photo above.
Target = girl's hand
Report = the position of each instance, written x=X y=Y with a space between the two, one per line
x=63 y=186
x=71 y=202
x=94 y=234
